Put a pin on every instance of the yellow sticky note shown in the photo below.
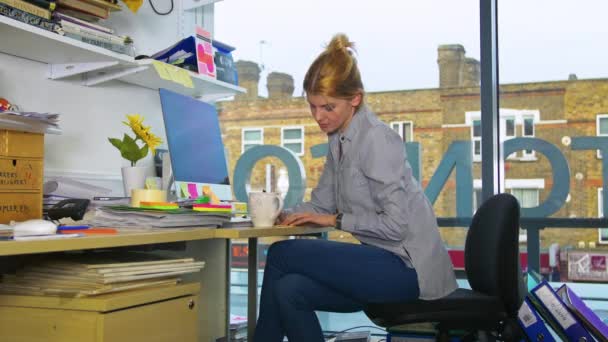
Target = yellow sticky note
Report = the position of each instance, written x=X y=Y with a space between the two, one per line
x=180 y=76
x=184 y=78
x=162 y=70
x=184 y=189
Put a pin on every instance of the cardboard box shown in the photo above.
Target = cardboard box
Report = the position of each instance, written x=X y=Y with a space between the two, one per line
x=21 y=175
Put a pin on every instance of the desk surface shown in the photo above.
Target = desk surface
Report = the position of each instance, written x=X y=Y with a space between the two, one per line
x=146 y=237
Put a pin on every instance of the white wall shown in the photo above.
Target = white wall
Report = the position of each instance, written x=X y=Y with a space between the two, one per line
x=89 y=115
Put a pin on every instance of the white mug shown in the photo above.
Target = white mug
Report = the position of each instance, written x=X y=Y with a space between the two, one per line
x=264 y=208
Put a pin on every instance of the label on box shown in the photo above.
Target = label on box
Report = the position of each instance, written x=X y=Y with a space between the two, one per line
x=19 y=174
x=204 y=52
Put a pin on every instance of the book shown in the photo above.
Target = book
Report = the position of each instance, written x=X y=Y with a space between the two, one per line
x=532 y=324
x=553 y=309
x=74 y=28
x=62 y=16
x=28 y=7
x=589 y=319
x=123 y=49
x=45 y=4
x=85 y=7
x=77 y=14
x=111 y=6
x=28 y=18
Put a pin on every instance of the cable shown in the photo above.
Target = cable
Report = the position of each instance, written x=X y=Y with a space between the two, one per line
x=159 y=13
x=357 y=327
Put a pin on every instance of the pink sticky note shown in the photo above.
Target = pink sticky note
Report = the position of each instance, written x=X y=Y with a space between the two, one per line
x=192 y=190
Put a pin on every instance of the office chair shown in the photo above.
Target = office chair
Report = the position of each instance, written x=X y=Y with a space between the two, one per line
x=494 y=273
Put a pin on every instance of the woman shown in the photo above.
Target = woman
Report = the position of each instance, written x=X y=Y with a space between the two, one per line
x=366 y=189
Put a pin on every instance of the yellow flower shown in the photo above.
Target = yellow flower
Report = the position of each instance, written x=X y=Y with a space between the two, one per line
x=152 y=141
x=136 y=122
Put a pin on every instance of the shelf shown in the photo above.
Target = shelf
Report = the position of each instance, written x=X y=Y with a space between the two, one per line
x=68 y=57
x=190 y=5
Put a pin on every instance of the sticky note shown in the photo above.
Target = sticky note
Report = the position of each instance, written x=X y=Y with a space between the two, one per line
x=192 y=190
x=161 y=70
x=184 y=189
x=182 y=77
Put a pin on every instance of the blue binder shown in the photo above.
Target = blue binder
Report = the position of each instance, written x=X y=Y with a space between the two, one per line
x=557 y=311
x=532 y=323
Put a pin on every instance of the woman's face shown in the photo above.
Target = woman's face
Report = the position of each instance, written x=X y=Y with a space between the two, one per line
x=332 y=114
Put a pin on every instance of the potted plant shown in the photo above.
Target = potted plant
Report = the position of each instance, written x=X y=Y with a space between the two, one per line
x=134 y=149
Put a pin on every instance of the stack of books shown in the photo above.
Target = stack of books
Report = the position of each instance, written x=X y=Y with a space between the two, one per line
x=77 y=19
x=125 y=217
x=559 y=315
x=6 y=232
x=238 y=328
x=96 y=273
x=32 y=12
x=90 y=32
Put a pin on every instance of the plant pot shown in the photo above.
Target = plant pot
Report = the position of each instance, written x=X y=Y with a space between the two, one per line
x=133 y=177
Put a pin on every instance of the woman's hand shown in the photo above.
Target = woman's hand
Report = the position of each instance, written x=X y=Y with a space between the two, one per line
x=297 y=219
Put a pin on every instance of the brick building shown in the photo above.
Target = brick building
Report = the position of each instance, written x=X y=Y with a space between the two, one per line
x=553 y=111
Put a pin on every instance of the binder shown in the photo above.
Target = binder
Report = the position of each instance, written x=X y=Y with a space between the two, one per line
x=587 y=317
x=532 y=324
x=558 y=314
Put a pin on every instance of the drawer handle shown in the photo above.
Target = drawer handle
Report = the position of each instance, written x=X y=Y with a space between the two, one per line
x=191 y=304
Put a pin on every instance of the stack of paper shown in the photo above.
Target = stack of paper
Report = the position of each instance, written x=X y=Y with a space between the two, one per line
x=30 y=122
x=124 y=216
x=90 y=275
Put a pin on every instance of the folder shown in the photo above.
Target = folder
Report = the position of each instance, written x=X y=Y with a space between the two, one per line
x=587 y=317
x=557 y=313
x=532 y=324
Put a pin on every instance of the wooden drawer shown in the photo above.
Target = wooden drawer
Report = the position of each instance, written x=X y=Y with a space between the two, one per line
x=20 y=174
x=21 y=144
x=154 y=315
x=20 y=206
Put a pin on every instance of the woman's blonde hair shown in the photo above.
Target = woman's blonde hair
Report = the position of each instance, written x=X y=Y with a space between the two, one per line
x=335 y=73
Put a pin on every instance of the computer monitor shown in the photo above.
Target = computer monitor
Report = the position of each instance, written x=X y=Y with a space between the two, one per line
x=195 y=143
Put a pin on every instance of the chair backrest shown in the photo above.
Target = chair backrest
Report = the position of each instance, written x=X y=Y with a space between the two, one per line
x=492 y=251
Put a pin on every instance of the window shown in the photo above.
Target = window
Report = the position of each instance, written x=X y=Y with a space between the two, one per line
x=405 y=130
x=251 y=137
x=476 y=139
x=509 y=133
x=602 y=128
x=510 y=120
x=602 y=232
x=527 y=198
x=528 y=131
x=292 y=138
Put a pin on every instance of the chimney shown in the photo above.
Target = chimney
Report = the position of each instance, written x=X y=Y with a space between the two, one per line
x=451 y=62
x=249 y=77
x=280 y=85
x=471 y=73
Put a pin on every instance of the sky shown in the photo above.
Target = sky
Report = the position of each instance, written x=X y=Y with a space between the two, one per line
x=397 y=40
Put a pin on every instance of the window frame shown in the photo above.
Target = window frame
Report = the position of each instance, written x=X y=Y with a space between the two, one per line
x=400 y=131
x=598 y=117
x=251 y=129
x=531 y=155
x=600 y=214
x=293 y=141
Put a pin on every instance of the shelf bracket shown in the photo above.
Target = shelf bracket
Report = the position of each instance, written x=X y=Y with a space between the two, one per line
x=59 y=71
x=105 y=76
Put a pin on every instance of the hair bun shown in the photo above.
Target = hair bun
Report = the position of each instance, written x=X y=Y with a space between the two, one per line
x=340 y=42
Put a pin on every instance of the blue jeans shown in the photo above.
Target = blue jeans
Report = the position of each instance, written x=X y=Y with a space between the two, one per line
x=302 y=276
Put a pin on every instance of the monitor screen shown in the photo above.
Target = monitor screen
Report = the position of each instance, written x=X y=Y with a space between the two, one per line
x=195 y=144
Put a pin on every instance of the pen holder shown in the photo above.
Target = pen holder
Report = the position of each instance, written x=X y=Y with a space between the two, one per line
x=147 y=195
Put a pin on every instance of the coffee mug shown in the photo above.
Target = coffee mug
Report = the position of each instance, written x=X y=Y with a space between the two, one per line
x=264 y=208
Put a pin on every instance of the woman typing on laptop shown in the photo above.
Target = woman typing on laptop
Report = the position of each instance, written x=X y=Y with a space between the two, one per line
x=366 y=189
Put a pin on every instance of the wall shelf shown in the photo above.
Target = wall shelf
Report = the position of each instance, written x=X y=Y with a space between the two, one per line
x=68 y=57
